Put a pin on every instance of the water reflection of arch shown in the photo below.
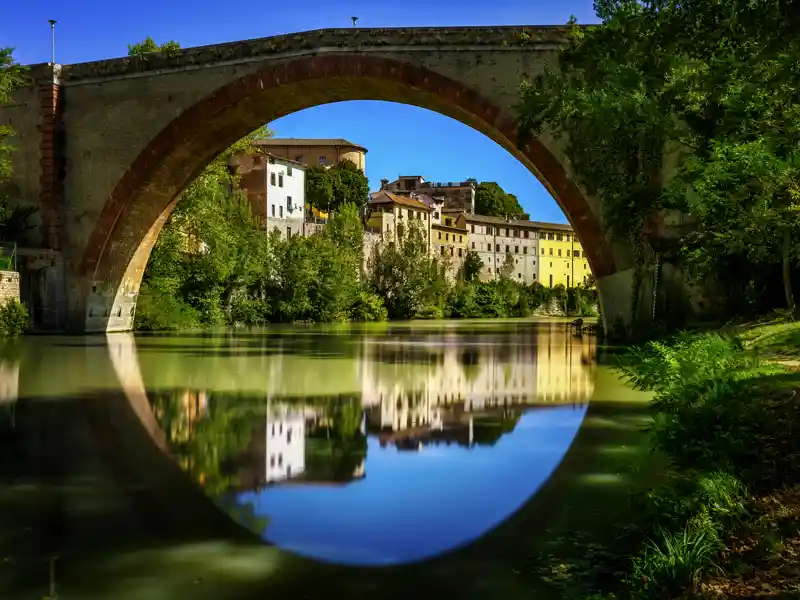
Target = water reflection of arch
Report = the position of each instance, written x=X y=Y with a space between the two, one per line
x=130 y=438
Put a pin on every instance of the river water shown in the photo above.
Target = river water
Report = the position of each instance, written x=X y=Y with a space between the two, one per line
x=362 y=445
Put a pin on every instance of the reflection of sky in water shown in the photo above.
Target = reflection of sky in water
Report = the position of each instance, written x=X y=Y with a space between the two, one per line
x=415 y=505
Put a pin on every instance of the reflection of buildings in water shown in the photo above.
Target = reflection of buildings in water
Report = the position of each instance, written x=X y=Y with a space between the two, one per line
x=289 y=447
x=9 y=381
x=190 y=406
x=285 y=443
x=406 y=387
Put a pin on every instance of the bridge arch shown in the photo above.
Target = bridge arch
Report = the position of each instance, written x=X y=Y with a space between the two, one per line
x=116 y=254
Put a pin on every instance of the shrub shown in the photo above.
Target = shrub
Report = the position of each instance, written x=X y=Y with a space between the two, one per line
x=13 y=318
x=368 y=307
x=158 y=311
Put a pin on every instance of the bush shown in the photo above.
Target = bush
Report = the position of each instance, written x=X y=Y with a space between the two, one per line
x=159 y=311
x=13 y=319
x=368 y=307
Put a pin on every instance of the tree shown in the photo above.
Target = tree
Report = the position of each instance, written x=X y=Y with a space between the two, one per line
x=491 y=200
x=148 y=46
x=329 y=188
x=644 y=100
x=410 y=281
x=12 y=76
x=472 y=267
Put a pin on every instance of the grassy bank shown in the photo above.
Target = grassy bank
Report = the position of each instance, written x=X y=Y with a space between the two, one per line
x=725 y=522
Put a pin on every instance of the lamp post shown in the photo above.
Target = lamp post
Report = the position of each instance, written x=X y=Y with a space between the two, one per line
x=53 y=40
x=354 y=20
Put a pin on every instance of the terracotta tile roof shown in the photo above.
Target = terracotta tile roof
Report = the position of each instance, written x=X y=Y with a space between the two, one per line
x=384 y=197
x=307 y=142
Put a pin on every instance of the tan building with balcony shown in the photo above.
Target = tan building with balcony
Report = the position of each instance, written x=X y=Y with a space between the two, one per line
x=387 y=213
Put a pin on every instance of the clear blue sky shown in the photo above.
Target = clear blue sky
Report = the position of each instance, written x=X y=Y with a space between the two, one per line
x=92 y=30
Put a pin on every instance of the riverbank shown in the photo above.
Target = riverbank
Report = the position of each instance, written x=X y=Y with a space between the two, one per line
x=725 y=521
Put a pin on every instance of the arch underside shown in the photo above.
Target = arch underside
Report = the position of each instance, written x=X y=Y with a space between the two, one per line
x=117 y=252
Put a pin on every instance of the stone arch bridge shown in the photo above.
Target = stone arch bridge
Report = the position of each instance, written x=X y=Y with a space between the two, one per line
x=104 y=148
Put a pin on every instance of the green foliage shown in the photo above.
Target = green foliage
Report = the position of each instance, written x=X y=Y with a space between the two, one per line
x=685 y=105
x=411 y=282
x=148 y=45
x=368 y=307
x=491 y=200
x=472 y=266
x=12 y=76
x=13 y=318
x=329 y=188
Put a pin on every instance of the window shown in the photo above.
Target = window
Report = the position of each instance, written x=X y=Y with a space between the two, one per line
x=488 y=230
x=567 y=253
x=273 y=430
x=446 y=237
x=289 y=435
x=410 y=214
x=551 y=281
x=272 y=178
x=567 y=280
x=452 y=251
x=288 y=232
x=566 y=237
x=459 y=251
x=442 y=248
x=473 y=245
x=559 y=237
x=273 y=210
x=440 y=235
x=559 y=251
x=289 y=203
x=489 y=270
x=288 y=171
x=542 y=250
x=497 y=247
x=550 y=236
x=460 y=239
x=505 y=232
x=524 y=249
x=280 y=210
x=577 y=253
x=508 y=249
x=322 y=160
x=280 y=179
x=299 y=158
x=280 y=459
x=551 y=252
x=516 y=249
x=472 y=228
x=436 y=215
x=519 y=275
x=527 y=234
x=271 y=460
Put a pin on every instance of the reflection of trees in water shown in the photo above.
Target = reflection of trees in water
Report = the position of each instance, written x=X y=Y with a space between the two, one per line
x=470 y=363
x=244 y=513
x=336 y=446
x=487 y=431
x=205 y=440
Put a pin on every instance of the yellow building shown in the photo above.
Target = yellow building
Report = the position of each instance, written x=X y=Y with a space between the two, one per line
x=562 y=260
x=449 y=239
x=312 y=152
x=389 y=213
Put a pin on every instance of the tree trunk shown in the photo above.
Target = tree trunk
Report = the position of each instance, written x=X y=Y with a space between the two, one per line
x=787 y=269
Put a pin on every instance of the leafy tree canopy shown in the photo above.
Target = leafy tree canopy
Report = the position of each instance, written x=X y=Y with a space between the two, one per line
x=686 y=104
x=12 y=75
x=329 y=188
x=492 y=201
x=148 y=45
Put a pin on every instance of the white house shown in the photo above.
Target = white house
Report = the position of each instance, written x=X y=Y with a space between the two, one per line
x=286 y=195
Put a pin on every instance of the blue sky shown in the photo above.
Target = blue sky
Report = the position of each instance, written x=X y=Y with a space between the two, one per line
x=439 y=498
x=92 y=30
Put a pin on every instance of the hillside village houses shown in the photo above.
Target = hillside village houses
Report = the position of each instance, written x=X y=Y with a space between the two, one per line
x=273 y=179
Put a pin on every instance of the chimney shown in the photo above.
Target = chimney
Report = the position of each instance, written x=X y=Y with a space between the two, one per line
x=384 y=183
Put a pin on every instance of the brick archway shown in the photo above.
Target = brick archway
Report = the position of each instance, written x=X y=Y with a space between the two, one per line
x=119 y=246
